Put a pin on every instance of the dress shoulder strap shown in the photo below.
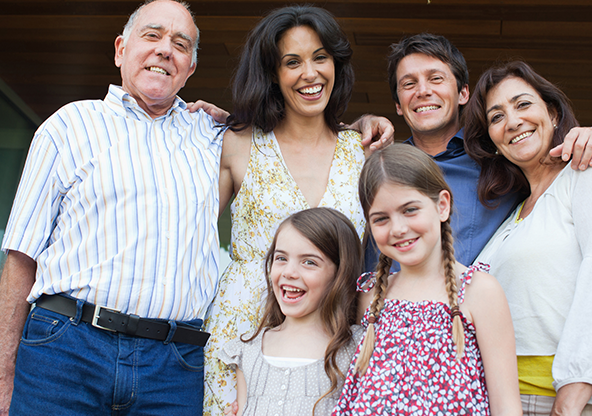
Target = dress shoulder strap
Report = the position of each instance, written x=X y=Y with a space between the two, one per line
x=467 y=275
x=366 y=282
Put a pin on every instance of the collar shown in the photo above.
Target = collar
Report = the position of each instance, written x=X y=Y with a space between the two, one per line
x=123 y=103
x=454 y=147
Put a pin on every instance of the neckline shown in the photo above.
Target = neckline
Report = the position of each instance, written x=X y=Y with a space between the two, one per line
x=517 y=219
x=278 y=150
x=263 y=355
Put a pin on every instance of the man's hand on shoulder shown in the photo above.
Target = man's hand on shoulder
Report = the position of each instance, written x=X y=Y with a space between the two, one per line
x=377 y=132
x=578 y=143
x=217 y=113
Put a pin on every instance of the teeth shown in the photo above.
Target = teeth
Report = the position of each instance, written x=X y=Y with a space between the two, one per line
x=521 y=137
x=291 y=289
x=406 y=243
x=158 y=70
x=311 y=90
x=426 y=108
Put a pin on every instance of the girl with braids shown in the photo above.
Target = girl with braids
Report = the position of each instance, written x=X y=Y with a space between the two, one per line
x=439 y=337
x=295 y=362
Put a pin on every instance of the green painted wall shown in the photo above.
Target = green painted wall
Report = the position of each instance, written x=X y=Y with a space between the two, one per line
x=16 y=132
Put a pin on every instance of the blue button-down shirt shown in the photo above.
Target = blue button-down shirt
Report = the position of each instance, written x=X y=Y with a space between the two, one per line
x=472 y=223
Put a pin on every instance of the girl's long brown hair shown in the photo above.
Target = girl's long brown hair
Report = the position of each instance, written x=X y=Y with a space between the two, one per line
x=335 y=236
x=403 y=164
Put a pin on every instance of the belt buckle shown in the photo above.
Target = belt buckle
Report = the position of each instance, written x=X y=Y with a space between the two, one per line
x=96 y=316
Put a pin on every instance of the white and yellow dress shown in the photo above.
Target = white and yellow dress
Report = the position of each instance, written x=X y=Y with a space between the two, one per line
x=268 y=195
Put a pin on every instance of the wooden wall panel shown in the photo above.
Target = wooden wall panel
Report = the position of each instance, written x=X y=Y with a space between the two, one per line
x=57 y=51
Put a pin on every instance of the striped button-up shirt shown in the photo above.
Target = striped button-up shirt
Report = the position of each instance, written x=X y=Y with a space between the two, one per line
x=120 y=209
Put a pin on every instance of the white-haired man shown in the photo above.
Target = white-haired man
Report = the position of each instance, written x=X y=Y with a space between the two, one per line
x=113 y=235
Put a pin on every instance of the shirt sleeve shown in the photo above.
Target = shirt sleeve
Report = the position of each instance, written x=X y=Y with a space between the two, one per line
x=232 y=353
x=573 y=360
x=38 y=198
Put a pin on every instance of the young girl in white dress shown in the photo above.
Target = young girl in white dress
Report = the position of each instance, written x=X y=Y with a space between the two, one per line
x=439 y=336
x=295 y=362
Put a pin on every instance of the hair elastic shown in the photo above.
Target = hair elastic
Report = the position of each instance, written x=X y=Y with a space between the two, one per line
x=371 y=318
x=454 y=311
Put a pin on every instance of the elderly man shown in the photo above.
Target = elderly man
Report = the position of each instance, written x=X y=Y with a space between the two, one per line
x=113 y=235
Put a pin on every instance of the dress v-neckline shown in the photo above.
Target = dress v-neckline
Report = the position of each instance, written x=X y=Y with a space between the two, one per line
x=297 y=189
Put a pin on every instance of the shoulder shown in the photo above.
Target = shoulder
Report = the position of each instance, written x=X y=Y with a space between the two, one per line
x=351 y=137
x=350 y=134
x=238 y=137
x=236 y=144
x=357 y=334
x=483 y=292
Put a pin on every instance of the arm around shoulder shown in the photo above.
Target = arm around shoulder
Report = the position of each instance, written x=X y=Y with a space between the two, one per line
x=490 y=313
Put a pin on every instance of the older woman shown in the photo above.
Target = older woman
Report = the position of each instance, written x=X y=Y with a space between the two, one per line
x=542 y=254
x=285 y=151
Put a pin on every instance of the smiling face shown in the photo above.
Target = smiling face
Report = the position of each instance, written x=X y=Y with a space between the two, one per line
x=428 y=95
x=300 y=274
x=406 y=224
x=306 y=72
x=156 y=60
x=520 y=124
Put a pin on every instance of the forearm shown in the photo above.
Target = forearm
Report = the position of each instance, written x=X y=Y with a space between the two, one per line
x=571 y=399
x=16 y=282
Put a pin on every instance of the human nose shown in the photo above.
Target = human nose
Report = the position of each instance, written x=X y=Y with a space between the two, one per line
x=289 y=270
x=164 y=48
x=399 y=227
x=309 y=71
x=423 y=88
x=514 y=121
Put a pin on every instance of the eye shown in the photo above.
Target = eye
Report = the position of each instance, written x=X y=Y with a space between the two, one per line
x=523 y=104
x=279 y=257
x=495 y=118
x=407 y=85
x=321 y=58
x=291 y=63
x=309 y=262
x=379 y=220
x=437 y=78
x=410 y=210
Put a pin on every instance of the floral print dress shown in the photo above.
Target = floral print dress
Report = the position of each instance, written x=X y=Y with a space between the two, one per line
x=267 y=196
x=413 y=370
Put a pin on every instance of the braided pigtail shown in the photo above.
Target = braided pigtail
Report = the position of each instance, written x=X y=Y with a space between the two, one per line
x=458 y=335
x=382 y=273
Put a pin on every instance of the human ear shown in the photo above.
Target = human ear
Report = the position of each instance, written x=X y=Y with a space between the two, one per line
x=463 y=95
x=443 y=205
x=119 y=51
x=399 y=111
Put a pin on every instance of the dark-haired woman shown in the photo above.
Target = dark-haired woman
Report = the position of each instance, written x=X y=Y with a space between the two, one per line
x=542 y=255
x=284 y=151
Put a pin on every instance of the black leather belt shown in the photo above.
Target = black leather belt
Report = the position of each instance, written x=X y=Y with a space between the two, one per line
x=114 y=321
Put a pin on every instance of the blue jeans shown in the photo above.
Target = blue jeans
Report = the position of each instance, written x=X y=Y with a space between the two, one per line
x=68 y=367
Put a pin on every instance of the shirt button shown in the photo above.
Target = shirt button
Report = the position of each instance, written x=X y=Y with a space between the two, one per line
x=280 y=402
x=283 y=387
x=287 y=372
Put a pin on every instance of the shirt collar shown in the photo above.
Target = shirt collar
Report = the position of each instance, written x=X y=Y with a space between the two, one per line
x=454 y=146
x=121 y=102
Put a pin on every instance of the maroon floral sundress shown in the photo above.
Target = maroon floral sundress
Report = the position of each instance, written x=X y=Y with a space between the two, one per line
x=413 y=370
